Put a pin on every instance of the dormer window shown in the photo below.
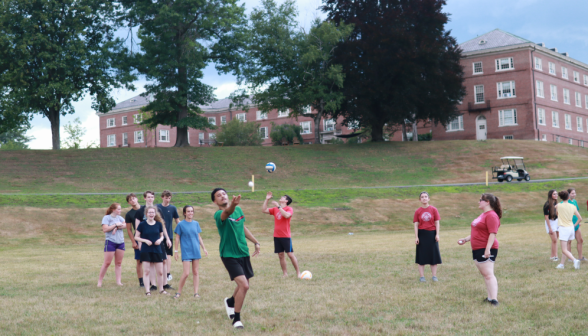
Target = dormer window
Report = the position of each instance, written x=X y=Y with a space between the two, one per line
x=482 y=42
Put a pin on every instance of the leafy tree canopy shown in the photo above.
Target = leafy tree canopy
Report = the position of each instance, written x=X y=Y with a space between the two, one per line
x=15 y=138
x=238 y=133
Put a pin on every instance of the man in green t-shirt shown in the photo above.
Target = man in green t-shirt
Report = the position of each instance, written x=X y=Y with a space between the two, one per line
x=233 y=248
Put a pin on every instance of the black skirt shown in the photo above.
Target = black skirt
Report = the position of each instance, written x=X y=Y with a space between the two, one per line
x=427 y=251
x=153 y=257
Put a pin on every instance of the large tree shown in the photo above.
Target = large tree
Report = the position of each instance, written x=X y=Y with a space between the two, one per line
x=287 y=68
x=399 y=63
x=177 y=41
x=15 y=138
x=54 y=52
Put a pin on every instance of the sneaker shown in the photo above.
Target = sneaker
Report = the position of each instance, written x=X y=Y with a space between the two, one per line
x=230 y=310
x=555 y=259
x=577 y=264
x=493 y=302
x=153 y=287
x=422 y=279
x=168 y=287
x=238 y=325
x=435 y=279
x=170 y=277
x=485 y=300
x=560 y=266
x=583 y=259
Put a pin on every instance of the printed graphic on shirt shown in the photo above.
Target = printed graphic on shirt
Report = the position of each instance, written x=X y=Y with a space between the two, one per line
x=426 y=217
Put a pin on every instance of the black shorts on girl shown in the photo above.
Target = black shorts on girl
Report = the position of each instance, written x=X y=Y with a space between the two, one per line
x=478 y=255
x=153 y=257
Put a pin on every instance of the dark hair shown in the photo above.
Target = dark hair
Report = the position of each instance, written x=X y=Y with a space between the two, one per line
x=494 y=203
x=131 y=195
x=166 y=193
x=148 y=192
x=215 y=191
x=186 y=207
x=570 y=190
x=424 y=192
x=564 y=195
x=289 y=199
x=551 y=204
x=111 y=208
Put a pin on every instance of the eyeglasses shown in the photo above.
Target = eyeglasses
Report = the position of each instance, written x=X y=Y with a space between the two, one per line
x=483 y=200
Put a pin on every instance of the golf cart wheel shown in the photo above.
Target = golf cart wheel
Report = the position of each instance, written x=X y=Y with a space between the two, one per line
x=500 y=179
x=508 y=178
x=527 y=178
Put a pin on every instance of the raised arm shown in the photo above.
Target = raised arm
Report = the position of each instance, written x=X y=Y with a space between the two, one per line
x=264 y=208
x=231 y=208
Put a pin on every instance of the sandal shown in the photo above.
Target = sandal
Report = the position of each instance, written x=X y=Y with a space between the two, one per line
x=196 y=296
x=164 y=292
x=148 y=294
x=177 y=296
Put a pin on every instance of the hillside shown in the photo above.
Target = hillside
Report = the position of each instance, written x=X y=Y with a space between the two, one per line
x=299 y=167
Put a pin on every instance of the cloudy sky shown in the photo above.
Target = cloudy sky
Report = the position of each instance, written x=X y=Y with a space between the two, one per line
x=560 y=24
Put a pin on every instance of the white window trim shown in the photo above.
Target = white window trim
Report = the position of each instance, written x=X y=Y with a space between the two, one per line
x=265 y=133
x=512 y=88
x=223 y=120
x=568 y=96
x=137 y=118
x=124 y=120
x=576 y=79
x=511 y=137
x=579 y=124
x=586 y=100
x=212 y=120
x=540 y=89
x=501 y=118
x=578 y=98
x=283 y=113
x=309 y=127
x=554 y=119
x=136 y=136
x=586 y=80
x=474 y=68
x=476 y=94
x=510 y=63
x=109 y=120
x=166 y=132
x=544 y=137
x=538 y=65
x=125 y=138
x=326 y=122
x=564 y=73
x=460 y=123
x=244 y=115
x=567 y=125
x=541 y=113
x=108 y=137
x=552 y=67
x=552 y=92
x=261 y=115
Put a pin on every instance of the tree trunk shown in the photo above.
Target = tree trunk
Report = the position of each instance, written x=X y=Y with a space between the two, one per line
x=404 y=135
x=415 y=132
x=182 y=132
x=377 y=132
x=53 y=116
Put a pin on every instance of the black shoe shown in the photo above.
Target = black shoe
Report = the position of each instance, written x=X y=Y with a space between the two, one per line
x=168 y=287
x=141 y=285
x=494 y=303
x=485 y=300
x=153 y=287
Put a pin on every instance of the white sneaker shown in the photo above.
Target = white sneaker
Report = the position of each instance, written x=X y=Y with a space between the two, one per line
x=238 y=325
x=577 y=263
x=170 y=277
x=560 y=266
x=230 y=311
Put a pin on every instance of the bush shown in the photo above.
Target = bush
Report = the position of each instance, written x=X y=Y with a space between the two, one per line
x=238 y=133
x=13 y=145
x=288 y=131
x=426 y=137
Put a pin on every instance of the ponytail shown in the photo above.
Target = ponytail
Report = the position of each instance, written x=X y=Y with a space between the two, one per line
x=494 y=203
x=111 y=208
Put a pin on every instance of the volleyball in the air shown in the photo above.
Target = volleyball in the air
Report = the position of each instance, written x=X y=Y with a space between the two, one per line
x=270 y=167
x=251 y=184
x=306 y=275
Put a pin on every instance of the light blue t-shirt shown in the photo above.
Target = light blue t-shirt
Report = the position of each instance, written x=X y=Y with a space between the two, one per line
x=189 y=239
x=118 y=237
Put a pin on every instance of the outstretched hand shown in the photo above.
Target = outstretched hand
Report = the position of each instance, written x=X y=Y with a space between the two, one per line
x=236 y=200
x=269 y=195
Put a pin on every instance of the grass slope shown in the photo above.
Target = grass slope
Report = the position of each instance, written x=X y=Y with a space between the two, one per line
x=299 y=167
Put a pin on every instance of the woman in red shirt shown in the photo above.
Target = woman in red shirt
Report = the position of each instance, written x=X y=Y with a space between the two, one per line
x=426 y=231
x=484 y=242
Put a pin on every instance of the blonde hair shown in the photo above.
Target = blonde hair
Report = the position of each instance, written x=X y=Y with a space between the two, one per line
x=157 y=214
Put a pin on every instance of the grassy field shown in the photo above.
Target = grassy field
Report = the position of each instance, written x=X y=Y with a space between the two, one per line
x=299 y=167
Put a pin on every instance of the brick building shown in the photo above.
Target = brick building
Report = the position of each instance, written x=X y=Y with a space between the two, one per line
x=119 y=127
x=517 y=89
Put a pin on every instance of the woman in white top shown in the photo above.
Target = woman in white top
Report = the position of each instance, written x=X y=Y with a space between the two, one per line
x=114 y=246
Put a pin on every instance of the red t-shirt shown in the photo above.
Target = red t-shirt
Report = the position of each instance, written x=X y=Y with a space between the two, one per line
x=482 y=227
x=426 y=218
x=282 y=225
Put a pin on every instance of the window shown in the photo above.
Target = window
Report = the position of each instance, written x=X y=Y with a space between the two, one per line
x=585 y=79
x=544 y=137
x=305 y=127
x=125 y=141
x=506 y=90
x=564 y=72
x=538 y=64
x=201 y=138
x=586 y=101
x=124 y=120
x=554 y=119
x=212 y=120
x=579 y=124
x=553 y=90
x=164 y=135
x=283 y=113
x=329 y=125
x=479 y=89
x=567 y=121
x=211 y=136
x=456 y=124
x=263 y=132
x=504 y=64
x=223 y=120
x=307 y=109
x=478 y=68
x=241 y=116
x=570 y=141
x=578 y=99
x=540 y=91
x=576 y=77
x=557 y=138
x=111 y=140
x=566 y=93
x=137 y=118
x=138 y=136
x=507 y=117
x=551 y=68
x=541 y=116
x=261 y=115
x=110 y=122
x=508 y=137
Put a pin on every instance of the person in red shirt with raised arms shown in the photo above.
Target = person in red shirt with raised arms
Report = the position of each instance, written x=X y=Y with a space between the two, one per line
x=484 y=242
x=282 y=238
x=426 y=231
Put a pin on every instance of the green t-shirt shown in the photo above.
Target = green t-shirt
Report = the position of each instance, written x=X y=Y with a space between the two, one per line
x=232 y=234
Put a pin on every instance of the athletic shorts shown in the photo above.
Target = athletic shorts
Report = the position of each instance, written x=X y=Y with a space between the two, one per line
x=283 y=245
x=169 y=251
x=478 y=255
x=553 y=224
x=112 y=247
x=152 y=257
x=238 y=266
x=137 y=254
x=566 y=233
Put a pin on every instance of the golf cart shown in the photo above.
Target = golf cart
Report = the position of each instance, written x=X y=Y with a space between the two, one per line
x=512 y=167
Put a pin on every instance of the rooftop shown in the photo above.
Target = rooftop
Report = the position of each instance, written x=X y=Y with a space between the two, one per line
x=493 y=39
x=139 y=101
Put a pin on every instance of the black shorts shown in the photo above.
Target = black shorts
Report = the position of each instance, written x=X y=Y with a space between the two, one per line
x=152 y=257
x=137 y=254
x=479 y=253
x=169 y=251
x=238 y=266
x=283 y=245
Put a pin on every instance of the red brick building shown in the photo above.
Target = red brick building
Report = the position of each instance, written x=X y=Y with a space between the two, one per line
x=120 y=128
x=517 y=89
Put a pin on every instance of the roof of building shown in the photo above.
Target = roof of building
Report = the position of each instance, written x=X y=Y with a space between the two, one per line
x=139 y=101
x=493 y=39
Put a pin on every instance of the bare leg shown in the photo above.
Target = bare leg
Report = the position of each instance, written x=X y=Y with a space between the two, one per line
x=422 y=270
x=139 y=269
x=565 y=253
x=167 y=265
x=118 y=258
x=579 y=242
x=159 y=270
x=153 y=275
x=283 y=264
x=294 y=263
x=487 y=271
x=107 y=260
x=569 y=245
x=195 y=264
x=553 y=237
x=240 y=292
x=185 y=273
x=434 y=270
x=146 y=269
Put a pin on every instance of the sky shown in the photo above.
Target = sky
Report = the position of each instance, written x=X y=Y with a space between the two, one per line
x=560 y=24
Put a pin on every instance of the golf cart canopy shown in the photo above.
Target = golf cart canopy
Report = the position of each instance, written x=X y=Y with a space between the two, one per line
x=512 y=158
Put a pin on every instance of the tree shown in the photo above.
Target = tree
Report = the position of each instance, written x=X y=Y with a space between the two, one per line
x=287 y=68
x=285 y=131
x=54 y=52
x=16 y=138
x=399 y=62
x=75 y=131
x=238 y=133
x=177 y=40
